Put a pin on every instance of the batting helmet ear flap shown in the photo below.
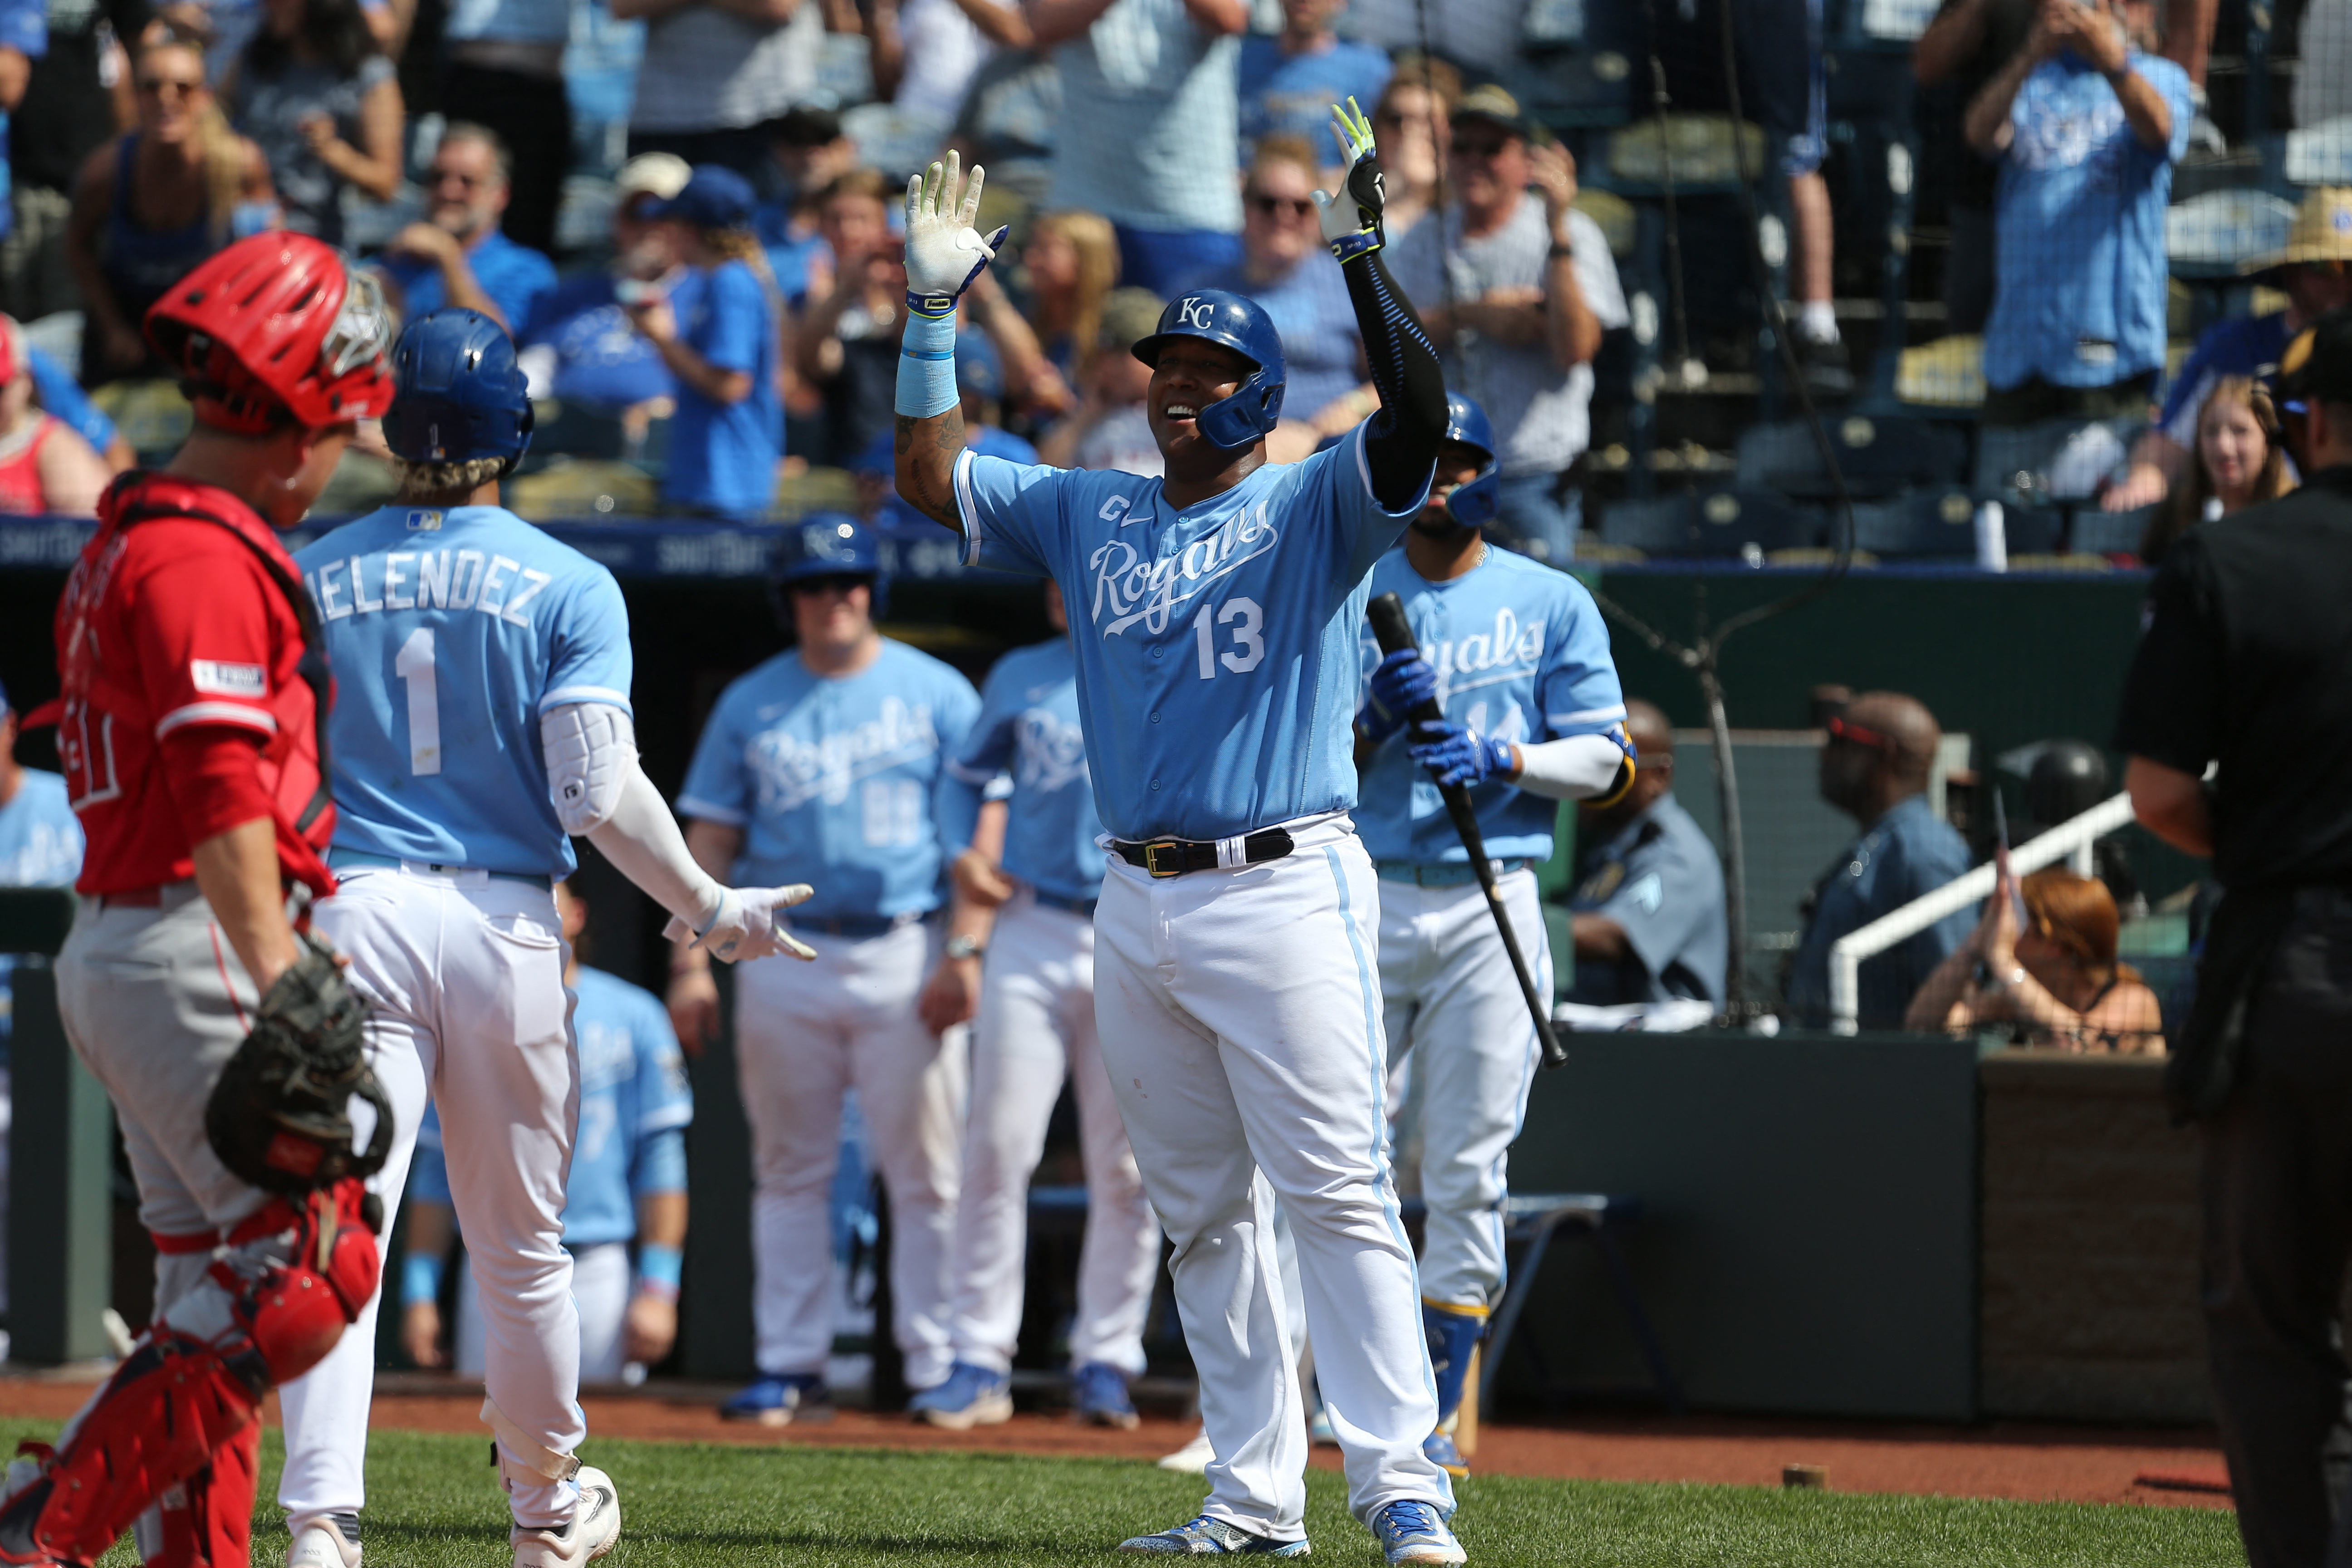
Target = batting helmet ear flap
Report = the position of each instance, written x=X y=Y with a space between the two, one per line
x=1475 y=504
x=525 y=424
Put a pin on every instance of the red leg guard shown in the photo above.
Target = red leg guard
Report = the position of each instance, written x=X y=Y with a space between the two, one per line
x=179 y=1404
x=208 y=1520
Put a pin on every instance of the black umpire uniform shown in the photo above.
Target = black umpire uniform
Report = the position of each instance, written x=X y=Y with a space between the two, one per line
x=2247 y=663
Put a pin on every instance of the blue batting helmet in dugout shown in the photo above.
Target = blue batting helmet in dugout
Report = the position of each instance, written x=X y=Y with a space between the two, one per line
x=827 y=544
x=1239 y=324
x=1475 y=504
x=460 y=393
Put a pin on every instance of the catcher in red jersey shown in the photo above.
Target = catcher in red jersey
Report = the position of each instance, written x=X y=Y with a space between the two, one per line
x=195 y=697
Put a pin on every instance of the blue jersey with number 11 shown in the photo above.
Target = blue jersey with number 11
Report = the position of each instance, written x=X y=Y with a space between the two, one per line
x=451 y=632
x=1216 y=645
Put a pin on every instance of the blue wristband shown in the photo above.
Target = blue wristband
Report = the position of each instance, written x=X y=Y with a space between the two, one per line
x=660 y=1268
x=420 y=1279
x=927 y=384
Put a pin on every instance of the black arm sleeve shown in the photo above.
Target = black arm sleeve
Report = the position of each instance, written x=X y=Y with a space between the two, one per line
x=1401 y=447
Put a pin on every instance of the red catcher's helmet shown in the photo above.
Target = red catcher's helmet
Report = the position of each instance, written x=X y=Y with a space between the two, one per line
x=276 y=326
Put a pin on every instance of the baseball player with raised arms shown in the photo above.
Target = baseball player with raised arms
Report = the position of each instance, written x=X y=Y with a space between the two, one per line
x=485 y=720
x=1037 y=1025
x=833 y=756
x=1236 y=985
x=194 y=692
x=1518 y=658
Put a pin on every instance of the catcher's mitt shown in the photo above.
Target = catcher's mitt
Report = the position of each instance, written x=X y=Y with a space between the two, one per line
x=279 y=1116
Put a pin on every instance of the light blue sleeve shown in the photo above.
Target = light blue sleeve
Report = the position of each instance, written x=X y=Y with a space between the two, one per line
x=958 y=711
x=973 y=766
x=65 y=399
x=1011 y=513
x=719 y=786
x=428 y=1173
x=733 y=335
x=1578 y=689
x=665 y=1101
x=1339 y=479
x=590 y=661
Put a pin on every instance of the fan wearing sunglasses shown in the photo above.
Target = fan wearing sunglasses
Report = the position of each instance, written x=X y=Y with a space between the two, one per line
x=1874 y=765
x=1286 y=271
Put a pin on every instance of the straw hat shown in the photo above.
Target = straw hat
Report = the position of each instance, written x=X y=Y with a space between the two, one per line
x=2321 y=231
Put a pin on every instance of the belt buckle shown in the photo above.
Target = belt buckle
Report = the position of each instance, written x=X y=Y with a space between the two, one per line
x=1151 y=859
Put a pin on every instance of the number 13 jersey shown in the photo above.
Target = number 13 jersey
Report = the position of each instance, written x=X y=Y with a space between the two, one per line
x=450 y=633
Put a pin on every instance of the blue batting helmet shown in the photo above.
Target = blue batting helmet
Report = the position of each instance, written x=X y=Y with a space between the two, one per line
x=460 y=396
x=1239 y=324
x=1473 y=505
x=826 y=544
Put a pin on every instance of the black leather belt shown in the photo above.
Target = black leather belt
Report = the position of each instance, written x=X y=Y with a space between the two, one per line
x=1174 y=857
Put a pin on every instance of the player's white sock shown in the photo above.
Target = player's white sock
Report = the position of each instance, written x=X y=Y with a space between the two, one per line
x=1817 y=321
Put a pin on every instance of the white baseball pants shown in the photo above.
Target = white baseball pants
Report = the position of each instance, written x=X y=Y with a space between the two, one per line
x=466 y=972
x=1240 y=1018
x=804 y=1034
x=1454 y=1006
x=601 y=1282
x=1036 y=1022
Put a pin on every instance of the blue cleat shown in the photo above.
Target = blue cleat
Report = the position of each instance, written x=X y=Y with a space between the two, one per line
x=781 y=1401
x=1206 y=1537
x=1410 y=1531
x=1099 y=1396
x=1439 y=1448
x=971 y=1396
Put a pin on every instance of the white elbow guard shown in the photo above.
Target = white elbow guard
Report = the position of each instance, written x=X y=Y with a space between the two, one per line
x=1580 y=767
x=591 y=749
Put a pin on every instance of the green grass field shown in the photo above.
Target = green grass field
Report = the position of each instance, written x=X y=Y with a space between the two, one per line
x=434 y=1502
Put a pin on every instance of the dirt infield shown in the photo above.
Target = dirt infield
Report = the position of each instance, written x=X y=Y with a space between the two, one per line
x=1998 y=1460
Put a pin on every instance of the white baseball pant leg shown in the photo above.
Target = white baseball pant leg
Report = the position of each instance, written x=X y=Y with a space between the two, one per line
x=1240 y=1016
x=469 y=969
x=600 y=1280
x=1038 y=1021
x=1455 y=1008
x=804 y=1034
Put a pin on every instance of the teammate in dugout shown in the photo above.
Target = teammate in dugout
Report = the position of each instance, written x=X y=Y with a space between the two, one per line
x=195 y=689
x=486 y=722
x=833 y=756
x=1237 y=996
x=1518 y=658
x=1036 y=1025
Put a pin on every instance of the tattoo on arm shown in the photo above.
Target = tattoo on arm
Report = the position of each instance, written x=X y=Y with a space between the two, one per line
x=927 y=451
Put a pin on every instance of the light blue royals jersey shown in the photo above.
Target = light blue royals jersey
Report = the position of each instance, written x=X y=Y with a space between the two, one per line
x=40 y=847
x=836 y=782
x=635 y=1104
x=451 y=632
x=1216 y=646
x=1521 y=654
x=1028 y=727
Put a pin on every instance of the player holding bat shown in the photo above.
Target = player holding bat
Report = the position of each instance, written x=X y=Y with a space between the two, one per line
x=1515 y=658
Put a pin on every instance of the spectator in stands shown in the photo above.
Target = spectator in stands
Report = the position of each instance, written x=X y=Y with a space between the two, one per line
x=2314 y=271
x=579 y=345
x=155 y=202
x=502 y=65
x=1072 y=264
x=458 y=255
x=1962 y=49
x=1288 y=270
x=808 y=152
x=323 y=103
x=1110 y=429
x=980 y=381
x=1412 y=126
x=926 y=52
x=72 y=98
x=2087 y=126
x=56 y=392
x=1289 y=81
x=716 y=70
x=1875 y=767
x=2241 y=460
x=1517 y=286
x=1482 y=37
x=1647 y=915
x=720 y=344
x=847 y=343
x=1008 y=123
x=24 y=37
x=1150 y=129
x=45 y=465
x=2053 y=981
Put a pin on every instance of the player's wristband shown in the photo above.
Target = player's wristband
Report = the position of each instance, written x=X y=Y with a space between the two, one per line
x=1364 y=242
x=420 y=1279
x=927 y=384
x=658 y=1270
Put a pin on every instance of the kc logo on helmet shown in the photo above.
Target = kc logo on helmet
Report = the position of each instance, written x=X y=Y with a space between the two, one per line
x=1195 y=313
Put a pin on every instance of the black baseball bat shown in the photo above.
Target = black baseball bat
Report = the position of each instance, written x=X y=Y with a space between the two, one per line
x=1395 y=633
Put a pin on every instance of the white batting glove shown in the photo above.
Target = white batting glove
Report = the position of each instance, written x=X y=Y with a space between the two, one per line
x=944 y=251
x=1352 y=220
x=744 y=927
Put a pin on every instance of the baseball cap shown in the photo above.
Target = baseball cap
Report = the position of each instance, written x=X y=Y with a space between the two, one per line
x=1129 y=316
x=2321 y=231
x=716 y=197
x=805 y=125
x=663 y=174
x=2317 y=365
x=1494 y=105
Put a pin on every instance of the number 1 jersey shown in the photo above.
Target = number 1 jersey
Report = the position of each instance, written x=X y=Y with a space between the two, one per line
x=450 y=633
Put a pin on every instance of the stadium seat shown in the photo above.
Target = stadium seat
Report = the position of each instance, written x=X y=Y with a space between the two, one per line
x=1935 y=522
x=2097 y=532
x=1880 y=455
x=2321 y=155
x=152 y=416
x=583 y=490
x=573 y=430
x=2210 y=236
x=1570 y=90
x=1720 y=522
x=2054 y=459
x=1701 y=149
x=1945 y=373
